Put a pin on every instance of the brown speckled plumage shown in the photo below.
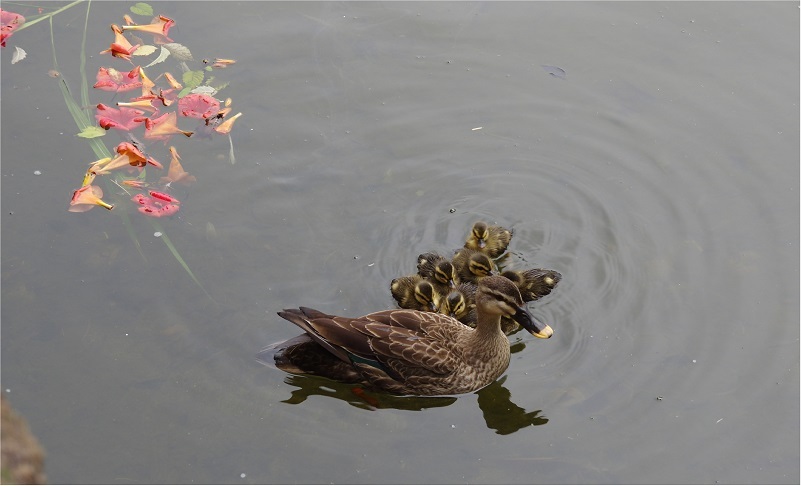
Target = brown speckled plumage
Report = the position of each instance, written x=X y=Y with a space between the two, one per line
x=409 y=352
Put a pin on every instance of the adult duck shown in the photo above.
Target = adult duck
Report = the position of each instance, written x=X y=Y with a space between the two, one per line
x=408 y=352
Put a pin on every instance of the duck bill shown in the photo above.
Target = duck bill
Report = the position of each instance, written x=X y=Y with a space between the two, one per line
x=531 y=324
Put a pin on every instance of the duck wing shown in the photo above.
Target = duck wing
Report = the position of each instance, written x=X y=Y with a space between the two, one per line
x=391 y=340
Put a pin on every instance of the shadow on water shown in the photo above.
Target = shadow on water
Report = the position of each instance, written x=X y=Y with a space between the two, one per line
x=500 y=413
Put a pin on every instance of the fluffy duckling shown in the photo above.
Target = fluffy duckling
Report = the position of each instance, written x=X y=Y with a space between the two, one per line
x=534 y=283
x=438 y=270
x=471 y=265
x=414 y=292
x=460 y=304
x=490 y=240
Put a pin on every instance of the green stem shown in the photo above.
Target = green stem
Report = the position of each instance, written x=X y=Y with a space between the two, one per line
x=48 y=16
x=157 y=226
x=84 y=82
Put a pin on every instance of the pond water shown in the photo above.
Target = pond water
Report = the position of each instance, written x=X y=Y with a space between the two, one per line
x=648 y=151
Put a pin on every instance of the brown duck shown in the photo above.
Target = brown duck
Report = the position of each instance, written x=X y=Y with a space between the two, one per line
x=409 y=352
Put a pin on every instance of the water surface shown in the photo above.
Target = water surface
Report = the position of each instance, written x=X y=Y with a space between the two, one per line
x=647 y=151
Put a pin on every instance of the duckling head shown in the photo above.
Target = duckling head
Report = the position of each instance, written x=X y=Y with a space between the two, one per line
x=478 y=235
x=424 y=294
x=552 y=278
x=454 y=305
x=445 y=274
x=479 y=265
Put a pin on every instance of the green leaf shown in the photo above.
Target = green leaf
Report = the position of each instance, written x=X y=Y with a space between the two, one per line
x=193 y=78
x=91 y=132
x=163 y=55
x=180 y=51
x=208 y=90
x=144 y=50
x=142 y=9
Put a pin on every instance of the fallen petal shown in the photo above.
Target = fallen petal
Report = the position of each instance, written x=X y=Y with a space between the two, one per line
x=227 y=125
x=86 y=198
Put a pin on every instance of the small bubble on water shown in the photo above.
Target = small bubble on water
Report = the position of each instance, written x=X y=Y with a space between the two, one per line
x=37 y=172
x=158 y=234
x=243 y=475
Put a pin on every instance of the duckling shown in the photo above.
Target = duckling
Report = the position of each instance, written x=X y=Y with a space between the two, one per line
x=460 y=304
x=471 y=265
x=490 y=240
x=534 y=283
x=414 y=292
x=408 y=352
x=438 y=270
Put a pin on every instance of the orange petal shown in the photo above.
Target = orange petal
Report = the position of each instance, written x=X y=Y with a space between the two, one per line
x=159 y=28
x=147 y=84
x=121 y=160
x=176 y=173
x=86 y=198
x=120 y=47
x=137 y=183
x=142 y=104
x=175 y=84
x=222 y=63
x=227 y=125
x=163 y=127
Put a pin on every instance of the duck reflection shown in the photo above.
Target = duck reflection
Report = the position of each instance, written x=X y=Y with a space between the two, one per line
x=495 y=401
x=309 y=385
x=501 y=414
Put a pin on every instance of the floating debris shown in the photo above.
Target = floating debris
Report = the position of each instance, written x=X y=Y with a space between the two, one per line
x=555 y=71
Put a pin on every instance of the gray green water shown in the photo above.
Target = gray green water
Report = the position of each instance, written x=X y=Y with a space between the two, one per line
x=659 y=175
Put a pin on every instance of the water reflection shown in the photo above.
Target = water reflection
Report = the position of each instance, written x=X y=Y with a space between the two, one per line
x=309 y=385
x=501 y=414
